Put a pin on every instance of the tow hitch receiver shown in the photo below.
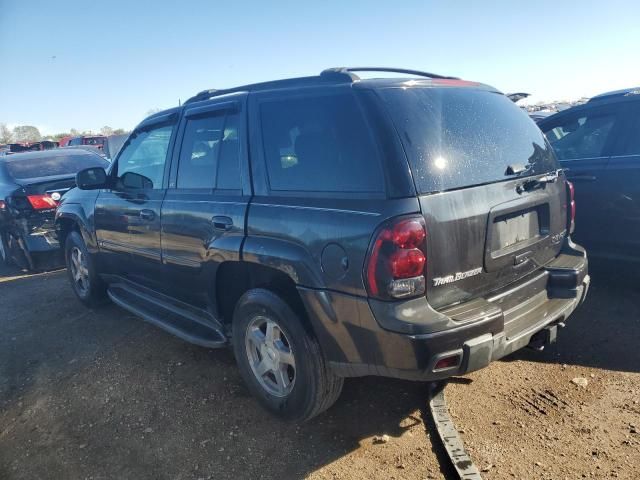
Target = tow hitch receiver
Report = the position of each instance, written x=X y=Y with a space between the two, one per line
x=544 y=337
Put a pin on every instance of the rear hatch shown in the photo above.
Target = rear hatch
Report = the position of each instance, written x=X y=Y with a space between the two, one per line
x=492 y=198
x=55 y=187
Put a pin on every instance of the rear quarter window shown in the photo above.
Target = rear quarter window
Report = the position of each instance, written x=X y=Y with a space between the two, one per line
x=461 y=137
x=319 y=143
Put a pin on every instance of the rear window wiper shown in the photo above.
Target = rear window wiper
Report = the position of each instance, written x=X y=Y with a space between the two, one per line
x=517 y=169
x=532 y=183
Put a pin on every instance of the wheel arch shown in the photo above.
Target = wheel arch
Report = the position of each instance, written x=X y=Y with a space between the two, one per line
x=235 y=278
x=74 y=219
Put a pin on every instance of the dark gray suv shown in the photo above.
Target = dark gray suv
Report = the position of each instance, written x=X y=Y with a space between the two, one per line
x=332 y=226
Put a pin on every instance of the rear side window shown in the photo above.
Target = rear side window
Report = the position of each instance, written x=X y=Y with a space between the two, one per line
x=44 y=165
x=460 y=137
x=209 y=157
x=581 y=136
x=319 y=144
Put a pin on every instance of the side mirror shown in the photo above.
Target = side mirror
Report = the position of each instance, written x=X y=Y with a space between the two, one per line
x=91 y=178
x=135 y=181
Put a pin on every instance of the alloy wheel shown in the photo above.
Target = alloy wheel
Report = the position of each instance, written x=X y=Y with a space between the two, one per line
x=3 y=250
x=270 y=356
x=79 y=271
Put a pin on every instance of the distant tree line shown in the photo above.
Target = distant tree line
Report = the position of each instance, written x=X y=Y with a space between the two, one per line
x=29 y=133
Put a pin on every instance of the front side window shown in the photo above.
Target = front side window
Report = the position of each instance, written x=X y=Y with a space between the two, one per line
x=209 y=156
x=142 y=160
x=319 y=144
x=583 y=136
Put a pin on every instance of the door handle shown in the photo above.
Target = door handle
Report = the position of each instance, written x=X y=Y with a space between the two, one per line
x=147 y=214
x=222 y=222
x=582 y=178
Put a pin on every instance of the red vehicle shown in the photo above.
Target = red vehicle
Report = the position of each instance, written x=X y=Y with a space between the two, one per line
x=94 y=140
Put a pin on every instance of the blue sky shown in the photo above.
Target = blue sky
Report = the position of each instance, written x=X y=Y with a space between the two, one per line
x=74 y=64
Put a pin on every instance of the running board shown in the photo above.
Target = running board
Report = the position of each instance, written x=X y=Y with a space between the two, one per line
x=179 y=319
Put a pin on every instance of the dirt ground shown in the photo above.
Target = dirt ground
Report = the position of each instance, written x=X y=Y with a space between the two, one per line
x=101 y=395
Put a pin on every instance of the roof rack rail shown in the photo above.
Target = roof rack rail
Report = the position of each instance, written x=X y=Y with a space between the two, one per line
x=330 y=75
x=349 y=71
x=625 y=92
x=203 y=95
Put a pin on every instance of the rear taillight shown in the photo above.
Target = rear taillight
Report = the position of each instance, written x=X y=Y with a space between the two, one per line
x=3 y=206
x=397 y=260
x=42 y=202
x=571 y=211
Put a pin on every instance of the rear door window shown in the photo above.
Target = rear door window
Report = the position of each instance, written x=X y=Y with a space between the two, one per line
x=209 y=157
x=461 y=137
x=319 y=144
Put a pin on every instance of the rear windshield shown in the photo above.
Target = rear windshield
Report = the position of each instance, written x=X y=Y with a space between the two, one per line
x=460 y=137
x=49 y=166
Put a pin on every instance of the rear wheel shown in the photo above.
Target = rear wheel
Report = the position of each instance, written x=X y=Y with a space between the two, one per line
x=280 y=361
x=5 y=257
x=15 y=253
x=86 y=283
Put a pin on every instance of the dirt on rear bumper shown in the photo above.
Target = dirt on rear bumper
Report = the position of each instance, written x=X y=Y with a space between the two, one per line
x=408 y=339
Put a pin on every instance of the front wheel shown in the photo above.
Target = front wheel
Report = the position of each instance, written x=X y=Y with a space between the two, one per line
x=5 y=257
x=280 y=361
x=86 y=283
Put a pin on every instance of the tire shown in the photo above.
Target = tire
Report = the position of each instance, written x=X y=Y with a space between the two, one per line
x=5 y=255
x=15 y=254
x=86 y=283
x=312 y=387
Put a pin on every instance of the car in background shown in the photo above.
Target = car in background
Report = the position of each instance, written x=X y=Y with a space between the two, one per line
x=41 y=145
x=27 y=147
x=599 y=144
x=89 y=148
x=516 y=97
x=31 y=185
x=540 y=115
x=95 y=140
x=11 y=148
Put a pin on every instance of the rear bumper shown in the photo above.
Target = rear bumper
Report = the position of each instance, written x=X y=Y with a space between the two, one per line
x=39 y=243
x=42 y=241
x=407 y=339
